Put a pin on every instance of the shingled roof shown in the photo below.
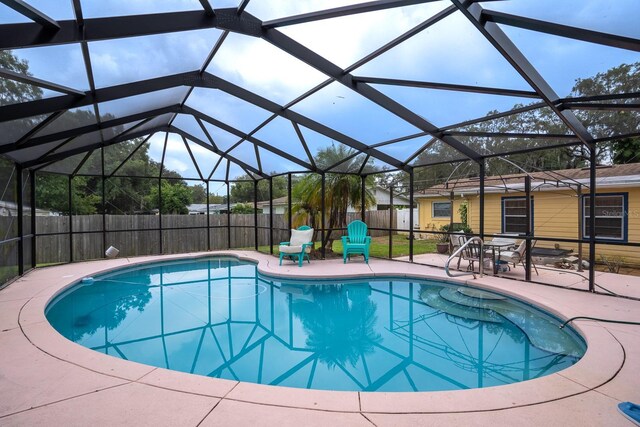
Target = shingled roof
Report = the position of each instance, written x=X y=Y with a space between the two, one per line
x=606 y=175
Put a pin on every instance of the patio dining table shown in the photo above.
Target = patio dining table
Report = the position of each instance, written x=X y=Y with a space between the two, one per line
x=496 y=247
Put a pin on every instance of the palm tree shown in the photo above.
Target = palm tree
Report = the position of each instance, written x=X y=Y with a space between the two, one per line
x=341 y=191
x=339 y=323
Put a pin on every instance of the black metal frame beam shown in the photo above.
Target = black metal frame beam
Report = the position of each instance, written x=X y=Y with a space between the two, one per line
x=195 y=78
x=501 y=42
x=447 y=86
x=15 y=36
x=602 y=106
x=274 y=108
x=511 y=135
x=201 y=116
x=23 y=78
x=575 y=33
x=59 y=156
x=321 y=64
x=65 y=102
x=206 y=6
x=32 y=13
x=341 y=11
x=209 y=147
x=72 y=133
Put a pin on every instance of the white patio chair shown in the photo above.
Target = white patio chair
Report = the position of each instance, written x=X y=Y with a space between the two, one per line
x=518 y=256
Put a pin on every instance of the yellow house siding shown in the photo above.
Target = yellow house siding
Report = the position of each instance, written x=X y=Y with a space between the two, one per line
x=427 y=221
x=555 y=215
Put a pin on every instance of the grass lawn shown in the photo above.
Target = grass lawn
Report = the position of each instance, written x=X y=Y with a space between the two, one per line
x=379 y=247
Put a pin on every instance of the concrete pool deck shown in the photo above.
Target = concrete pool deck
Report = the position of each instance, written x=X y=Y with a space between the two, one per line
x=48 y=380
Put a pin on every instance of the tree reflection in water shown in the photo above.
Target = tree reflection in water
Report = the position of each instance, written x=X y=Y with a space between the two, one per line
x=91 y=308
x=339 y=322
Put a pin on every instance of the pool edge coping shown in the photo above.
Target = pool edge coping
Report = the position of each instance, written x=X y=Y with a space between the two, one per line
x=563 y=384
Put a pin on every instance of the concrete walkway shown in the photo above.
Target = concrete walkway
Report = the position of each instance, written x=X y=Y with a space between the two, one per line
x=606 y=283
x=47 y=380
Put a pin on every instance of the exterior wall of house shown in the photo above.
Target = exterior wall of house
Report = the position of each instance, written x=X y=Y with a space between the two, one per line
x=425 y=210
x=555 y=215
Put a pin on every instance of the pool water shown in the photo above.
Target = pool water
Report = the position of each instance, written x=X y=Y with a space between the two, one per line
x=219 y=317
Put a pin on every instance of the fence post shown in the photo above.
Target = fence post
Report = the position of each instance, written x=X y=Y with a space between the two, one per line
x=271 y=215
x=322 y=205
x=160 y=212
x=104 y=203
x=20 y=220
x=390 y=221
x=289 y=203
x=208 y=220
x=69 y=181
x=527 y=266
x=255 y=213
x=592 y=217
x=411 y=219
x=228 y=217
x=32 y=179
x=481 y=164
x=362 y=194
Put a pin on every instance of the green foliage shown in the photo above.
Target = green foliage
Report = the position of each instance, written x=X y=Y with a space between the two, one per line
x=624 y=78
x=463 y=210
x=443 y=238
x=341 y=190
x=242 y=208
x=601 y=124
x=243 y=191
x=12 y=91
x=347 y=341
x=176 y=196
x=198 y=193
x=626 y=150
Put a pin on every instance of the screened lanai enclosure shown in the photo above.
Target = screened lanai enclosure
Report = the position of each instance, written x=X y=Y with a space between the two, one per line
x=178 y=126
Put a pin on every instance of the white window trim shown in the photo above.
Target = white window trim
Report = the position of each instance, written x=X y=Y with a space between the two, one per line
x=504 y=214
x=585 y=219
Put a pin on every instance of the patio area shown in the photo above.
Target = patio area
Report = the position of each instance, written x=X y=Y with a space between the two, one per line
x=607 y=283
x=48 y=380
x=133 y=132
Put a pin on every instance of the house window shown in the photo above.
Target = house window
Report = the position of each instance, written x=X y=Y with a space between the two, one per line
x=514 y=215
x=441 y=210
x=611 y=221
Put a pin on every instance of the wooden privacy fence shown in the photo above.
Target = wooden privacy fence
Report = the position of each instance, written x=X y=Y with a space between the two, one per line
x=137 y=235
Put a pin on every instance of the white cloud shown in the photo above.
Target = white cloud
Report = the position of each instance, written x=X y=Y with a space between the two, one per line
x=264 y=69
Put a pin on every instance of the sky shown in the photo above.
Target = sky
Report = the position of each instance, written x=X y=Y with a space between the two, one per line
x=451 y=51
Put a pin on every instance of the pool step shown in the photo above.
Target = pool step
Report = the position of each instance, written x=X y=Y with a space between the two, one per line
x=431 y=296
x=542 y=333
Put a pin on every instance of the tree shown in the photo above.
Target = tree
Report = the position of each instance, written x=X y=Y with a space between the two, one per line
x=242 y=208
x=624 y=78
x=338 y=343
x=341 y=191
x=601 y=124
x=176 y=196
x=12 y=92
x=198 y=193
x=242 y=191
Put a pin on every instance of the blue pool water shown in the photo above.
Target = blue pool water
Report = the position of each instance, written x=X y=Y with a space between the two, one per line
x=220 y=318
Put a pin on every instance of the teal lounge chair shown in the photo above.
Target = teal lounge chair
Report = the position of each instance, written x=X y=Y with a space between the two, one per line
x=356 y=242
x=299 y=247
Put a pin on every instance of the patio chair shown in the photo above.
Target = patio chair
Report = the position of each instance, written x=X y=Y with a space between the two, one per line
x=456 y=240
x=518 y=255
x=471 y=254
x=299 y=246
x=356 y=241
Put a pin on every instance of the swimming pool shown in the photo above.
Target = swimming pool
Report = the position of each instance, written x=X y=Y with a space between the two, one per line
x=219 y=317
